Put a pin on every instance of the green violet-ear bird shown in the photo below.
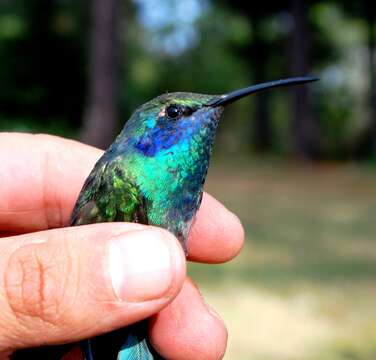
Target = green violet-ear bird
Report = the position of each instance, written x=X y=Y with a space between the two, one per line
x=154 y=174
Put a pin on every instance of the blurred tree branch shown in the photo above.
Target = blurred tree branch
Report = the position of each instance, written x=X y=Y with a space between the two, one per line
x=371 y=17
x=304 y=128
x=365 y=144
x=258 y=54
x=100 y=118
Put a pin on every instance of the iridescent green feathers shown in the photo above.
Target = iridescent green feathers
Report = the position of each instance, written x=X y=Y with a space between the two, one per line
x=109 y=195
x=155 y=170
x=152 y=174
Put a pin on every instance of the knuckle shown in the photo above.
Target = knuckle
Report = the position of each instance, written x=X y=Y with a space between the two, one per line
x=36 y=282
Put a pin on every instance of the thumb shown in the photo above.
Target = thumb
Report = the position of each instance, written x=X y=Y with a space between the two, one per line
x=67 y=284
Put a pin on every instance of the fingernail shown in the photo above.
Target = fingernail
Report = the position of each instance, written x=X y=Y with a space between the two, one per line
x=142 y=265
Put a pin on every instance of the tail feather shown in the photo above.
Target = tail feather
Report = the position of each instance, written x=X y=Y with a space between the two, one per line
x=125 y=344
x=135 y=349
x=86 y=349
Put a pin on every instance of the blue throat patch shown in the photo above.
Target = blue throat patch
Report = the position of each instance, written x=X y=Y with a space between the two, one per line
x=162 y=137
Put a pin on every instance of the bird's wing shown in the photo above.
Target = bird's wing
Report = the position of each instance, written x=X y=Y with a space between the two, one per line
x=109 y=194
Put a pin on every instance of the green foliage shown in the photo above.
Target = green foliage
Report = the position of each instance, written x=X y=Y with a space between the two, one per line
x=190 y=45
x=41 y=64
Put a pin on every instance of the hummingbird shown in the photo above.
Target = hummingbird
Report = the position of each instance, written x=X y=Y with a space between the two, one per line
x=154 y=173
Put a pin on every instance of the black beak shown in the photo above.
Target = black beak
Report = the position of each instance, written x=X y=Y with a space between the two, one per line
x=229 y=98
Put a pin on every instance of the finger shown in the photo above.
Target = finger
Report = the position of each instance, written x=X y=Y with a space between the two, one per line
x=188 y=329
x=73 y=283
x=42 y=176
x=216 y=235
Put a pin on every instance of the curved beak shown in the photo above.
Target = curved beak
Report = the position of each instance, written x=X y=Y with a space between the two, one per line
x=229 y=98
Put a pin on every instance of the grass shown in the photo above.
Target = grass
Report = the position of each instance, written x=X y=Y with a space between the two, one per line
x=304 y=286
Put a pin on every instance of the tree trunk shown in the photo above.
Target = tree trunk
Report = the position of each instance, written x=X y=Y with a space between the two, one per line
x=258 y=57
x=365 y=144
x=304 y=128
x=371 y=16
x=100 y=118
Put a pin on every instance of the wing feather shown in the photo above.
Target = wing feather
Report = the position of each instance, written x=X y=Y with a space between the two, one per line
x=109 y=194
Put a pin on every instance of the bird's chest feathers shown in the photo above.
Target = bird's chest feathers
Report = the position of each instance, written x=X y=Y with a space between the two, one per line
x=172 y=157
x=172 y=167
x=172 y=173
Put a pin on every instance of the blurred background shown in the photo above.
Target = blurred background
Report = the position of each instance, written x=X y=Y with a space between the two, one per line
x=298 y=166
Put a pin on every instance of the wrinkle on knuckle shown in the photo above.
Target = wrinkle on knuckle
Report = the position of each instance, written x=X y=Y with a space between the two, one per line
x=36 y=282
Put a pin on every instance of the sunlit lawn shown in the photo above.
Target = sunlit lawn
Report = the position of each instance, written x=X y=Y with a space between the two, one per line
x=304 y=286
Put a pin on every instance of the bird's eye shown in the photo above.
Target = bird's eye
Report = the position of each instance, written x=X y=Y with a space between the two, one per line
x=174 y=111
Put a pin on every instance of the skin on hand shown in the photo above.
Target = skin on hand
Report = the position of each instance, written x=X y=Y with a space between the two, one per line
x=66 y=284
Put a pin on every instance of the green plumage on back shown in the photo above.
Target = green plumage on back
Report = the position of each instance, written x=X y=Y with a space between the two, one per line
x=109 y=195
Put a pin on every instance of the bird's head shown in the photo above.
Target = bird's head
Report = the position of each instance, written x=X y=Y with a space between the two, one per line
x=167 y=144
x=180 y=120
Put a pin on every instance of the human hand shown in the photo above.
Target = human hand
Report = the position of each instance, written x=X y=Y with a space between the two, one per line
x=55 y=284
